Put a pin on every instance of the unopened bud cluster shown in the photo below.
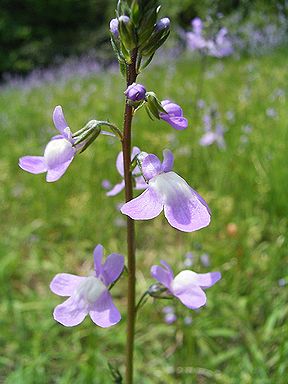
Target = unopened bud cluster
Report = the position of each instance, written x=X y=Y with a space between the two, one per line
x=136 y=28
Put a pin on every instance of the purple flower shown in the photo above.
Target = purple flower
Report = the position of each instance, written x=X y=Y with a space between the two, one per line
x=114 y=24
x=58 y=154
x=222 y=46
x=187 y=286
x=205 y=260
x=89 y=295
x=169 y=315
x=197 y=25
x=139 y=181
x=183 y=207
x=174 y=115
x=188 y=259
x=216 y=136
x=135 y=92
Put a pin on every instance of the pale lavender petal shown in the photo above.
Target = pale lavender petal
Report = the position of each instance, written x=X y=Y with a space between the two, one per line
x=140 y=183
x=192 y=297
x=55 y=173
x=112 y=268
x=151 y=166
x=178 y=123
x=208 y=139
x=104 y=313
x=120 y=164
x=33 y=164
x=206 y=280
x=144 y=207
x=98 y=255
x=135 y=151
x=64 y=284
x=116 y=189
x=199 y=197
x=163 y=275
x=167 y=266
x=165 y=102
x=168 y=161
x=120 y=161
x=69 y=313
x=182 y=208
x=172 y=109
x=59 y=120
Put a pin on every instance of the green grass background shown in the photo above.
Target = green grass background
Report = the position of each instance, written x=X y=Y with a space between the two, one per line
x=241 y=335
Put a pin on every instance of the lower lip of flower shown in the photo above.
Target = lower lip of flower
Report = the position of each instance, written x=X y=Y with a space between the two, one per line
x=169 y=185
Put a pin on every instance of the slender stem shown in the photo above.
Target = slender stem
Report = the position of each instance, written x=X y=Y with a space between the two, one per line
x=141 y=301
x=126 y=146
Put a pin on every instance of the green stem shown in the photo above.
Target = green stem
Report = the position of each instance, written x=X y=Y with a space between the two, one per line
x=126 y=146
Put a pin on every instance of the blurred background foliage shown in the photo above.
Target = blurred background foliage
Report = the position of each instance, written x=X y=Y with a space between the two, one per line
x=37 y=33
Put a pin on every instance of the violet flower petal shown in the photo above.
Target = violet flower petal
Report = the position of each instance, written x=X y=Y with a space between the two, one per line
x=144 y=207
x=116 y=189
x=55 y=173
x=64 y=284
x=151 y=166
x=69 y=313
x=168 y=161
x=206 y=280
x=33 y=164
x=178 y=123
x=140 y=183
x=98 y=255
x=192 y=297
x=104 y=313
x=59 y=120
x=172 y=109
x=163 y=275
x=182 y=208
x=187 y=215
x=112 y=268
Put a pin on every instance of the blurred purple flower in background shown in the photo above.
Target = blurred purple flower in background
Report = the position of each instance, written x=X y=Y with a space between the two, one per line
x=213 y=136
x=89 y=295
x=183 y=207
x=169 y=315
x=187 y=286
x=271 y=112
x=205 y=260
x=218 y=46
x=188 y=260
x=58 y=153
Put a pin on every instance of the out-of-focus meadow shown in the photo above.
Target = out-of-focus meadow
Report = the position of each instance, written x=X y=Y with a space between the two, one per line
x=241 y=335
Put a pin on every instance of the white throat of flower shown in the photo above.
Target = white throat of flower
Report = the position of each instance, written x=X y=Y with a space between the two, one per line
x=89 y=290
x=171 y=187
x=57 y=152
x=183 y=280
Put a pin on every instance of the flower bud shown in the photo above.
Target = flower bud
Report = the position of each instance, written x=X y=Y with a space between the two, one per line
x=124 y=19
x=158 y=37
x=114 y=23
x=135 y=92
x=162 y=24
